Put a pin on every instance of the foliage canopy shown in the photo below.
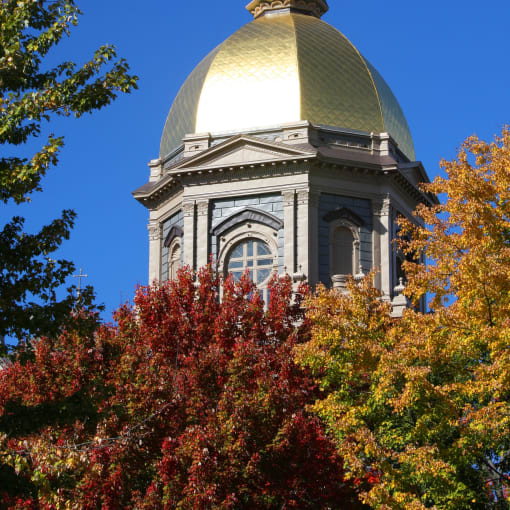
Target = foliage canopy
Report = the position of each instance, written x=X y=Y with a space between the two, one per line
x=31 y=94
x=185 y=403
x=424 y=403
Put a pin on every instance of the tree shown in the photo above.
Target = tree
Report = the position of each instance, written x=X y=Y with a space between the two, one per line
x=423 y=403
x=31 y=94
x=185 y=403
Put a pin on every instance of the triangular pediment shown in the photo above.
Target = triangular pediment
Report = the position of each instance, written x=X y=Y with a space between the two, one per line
x=241 y=151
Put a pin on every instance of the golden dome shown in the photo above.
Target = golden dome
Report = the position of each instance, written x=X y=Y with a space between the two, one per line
x=285 y=66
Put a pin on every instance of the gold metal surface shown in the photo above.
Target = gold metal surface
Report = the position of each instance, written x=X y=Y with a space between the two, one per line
x=182 y=117
x=395 y=122
x=282 y=68
x=254 y=79
x=336 y=87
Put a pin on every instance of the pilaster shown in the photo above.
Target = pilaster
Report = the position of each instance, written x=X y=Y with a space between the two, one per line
x=202 y=248
x=383 y=254
x=188 y=210
x=289 y=218
x=308 y=235
x=155 y=240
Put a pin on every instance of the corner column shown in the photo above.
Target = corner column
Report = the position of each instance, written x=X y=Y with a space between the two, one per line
x=155 y=240
x=308 y=235
x=289 y=219
x=188 y=209
x=202 y=239
x=383 y=254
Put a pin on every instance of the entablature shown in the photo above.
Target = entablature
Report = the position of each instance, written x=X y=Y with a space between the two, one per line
x=243 y=157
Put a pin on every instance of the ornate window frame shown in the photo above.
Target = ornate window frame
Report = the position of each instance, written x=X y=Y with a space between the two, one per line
x=172 y=240
x=344 y=218
x=246 y=231
x=176 y=244
x=175 y=231
x=248 y=223
x=248 y=215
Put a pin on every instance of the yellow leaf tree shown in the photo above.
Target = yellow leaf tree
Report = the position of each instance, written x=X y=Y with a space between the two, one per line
x=419 y=407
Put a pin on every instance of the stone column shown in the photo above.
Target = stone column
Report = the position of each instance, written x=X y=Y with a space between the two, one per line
x=188 y=209
x=202 y=248
x=289 y=218
x=308 y=235
x=383 y=251
x=155 y=240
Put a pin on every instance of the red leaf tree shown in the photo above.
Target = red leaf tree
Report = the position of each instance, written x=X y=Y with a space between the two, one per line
x=187 y=402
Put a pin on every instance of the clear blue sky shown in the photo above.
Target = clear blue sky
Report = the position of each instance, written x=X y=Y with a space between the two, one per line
x=446 y=61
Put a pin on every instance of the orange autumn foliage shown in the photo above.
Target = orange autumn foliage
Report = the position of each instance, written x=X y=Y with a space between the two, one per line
x=422 y=404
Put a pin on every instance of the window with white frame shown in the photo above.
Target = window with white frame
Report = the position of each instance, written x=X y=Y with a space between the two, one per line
x=248 y=241
x=255 y=256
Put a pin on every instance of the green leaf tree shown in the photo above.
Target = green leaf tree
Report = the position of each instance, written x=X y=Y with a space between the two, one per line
x=31 y=95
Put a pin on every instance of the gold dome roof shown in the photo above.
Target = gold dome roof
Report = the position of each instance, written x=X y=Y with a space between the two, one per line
x=285 y=67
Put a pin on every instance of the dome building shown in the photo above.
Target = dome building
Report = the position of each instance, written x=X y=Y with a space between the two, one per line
x=285 y=150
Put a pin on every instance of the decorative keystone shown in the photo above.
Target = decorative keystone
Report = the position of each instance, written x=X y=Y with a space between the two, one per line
x=315 y=7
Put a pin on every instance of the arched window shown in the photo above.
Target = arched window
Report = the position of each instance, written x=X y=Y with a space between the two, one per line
x=174 y=258
x=255 y=256
x=172 y=253
x=248 y=240
x=342 y=249
x=344 y=243
x=344 y=256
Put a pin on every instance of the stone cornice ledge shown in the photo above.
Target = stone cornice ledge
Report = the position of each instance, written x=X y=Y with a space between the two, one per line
x=200 y=170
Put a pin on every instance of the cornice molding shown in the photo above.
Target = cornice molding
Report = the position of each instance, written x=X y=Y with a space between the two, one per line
x=281 y=159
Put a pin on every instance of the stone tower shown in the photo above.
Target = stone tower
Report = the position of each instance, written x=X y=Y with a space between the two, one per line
x=285 y=150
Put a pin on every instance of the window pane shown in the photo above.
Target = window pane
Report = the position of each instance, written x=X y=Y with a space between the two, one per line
x=263 y=249
x=254 y=255
x=263 y=275
x=237 y=275
x=238 y=251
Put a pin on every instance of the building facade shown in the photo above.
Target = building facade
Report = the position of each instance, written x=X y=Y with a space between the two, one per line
x=284 y=151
